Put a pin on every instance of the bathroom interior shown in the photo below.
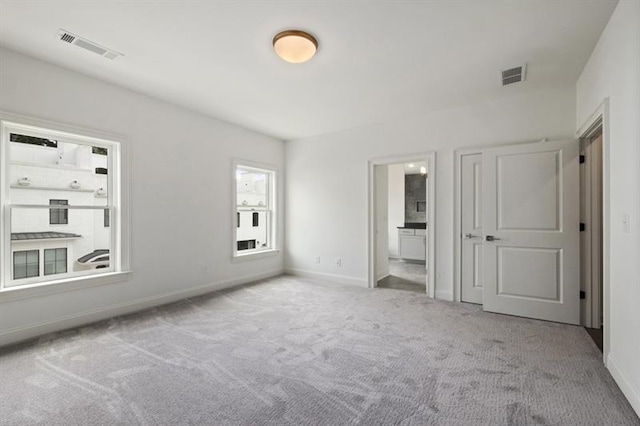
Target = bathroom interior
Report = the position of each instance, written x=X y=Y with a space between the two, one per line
x=406 y=219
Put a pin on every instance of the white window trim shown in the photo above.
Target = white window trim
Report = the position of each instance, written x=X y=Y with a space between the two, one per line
x=273 y=198
x=121 y=233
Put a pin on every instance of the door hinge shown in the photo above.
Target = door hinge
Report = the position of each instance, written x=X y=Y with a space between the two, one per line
x=583 y=295
x=583 y=159
x=582 y=227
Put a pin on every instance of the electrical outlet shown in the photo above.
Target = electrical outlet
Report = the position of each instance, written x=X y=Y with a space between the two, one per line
x=338 y=262
x=317 y=259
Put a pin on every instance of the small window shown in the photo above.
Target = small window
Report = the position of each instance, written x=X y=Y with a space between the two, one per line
x=101 y=170
x=255 y=213
x=55 y=261
x=59 y=216
x=99 y=150
x=246 y=245
x=106 y=218
x=26 y=264
x=32 y=140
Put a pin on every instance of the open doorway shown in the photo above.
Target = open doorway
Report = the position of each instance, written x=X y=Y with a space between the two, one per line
x=401 y=212
x=405 y=251
x=591 y=235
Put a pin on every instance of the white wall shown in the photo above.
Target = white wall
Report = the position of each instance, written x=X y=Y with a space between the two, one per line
x=326 y=189
x=396 y=206
x=382 y=221
x=181 y=183
x=613 y=71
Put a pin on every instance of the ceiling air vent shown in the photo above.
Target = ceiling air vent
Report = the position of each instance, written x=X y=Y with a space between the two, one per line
x=67 y=37
x=513 y=75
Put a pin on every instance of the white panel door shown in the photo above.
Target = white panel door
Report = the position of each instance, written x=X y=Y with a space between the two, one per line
x=531 y=226
x=472 y=241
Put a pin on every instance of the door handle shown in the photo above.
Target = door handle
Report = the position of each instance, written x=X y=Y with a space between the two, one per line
x=468 y=236
x=491 y=238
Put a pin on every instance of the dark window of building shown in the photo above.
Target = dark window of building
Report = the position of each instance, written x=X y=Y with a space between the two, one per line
x=32 y=140
x=238 y=220
x=107 y=218
x=101 y=170
x=246 y=245
x=55 y=261
x=99 y=150
x=26 y=264
x=256 y=219
x=58 y=216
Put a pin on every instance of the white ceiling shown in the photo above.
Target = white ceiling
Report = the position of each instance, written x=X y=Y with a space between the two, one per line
x=376 y=60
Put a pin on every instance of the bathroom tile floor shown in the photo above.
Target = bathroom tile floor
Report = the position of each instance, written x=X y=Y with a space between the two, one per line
x=405 y=275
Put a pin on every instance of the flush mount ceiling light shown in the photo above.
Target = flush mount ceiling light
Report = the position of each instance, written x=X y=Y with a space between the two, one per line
x=295 y=46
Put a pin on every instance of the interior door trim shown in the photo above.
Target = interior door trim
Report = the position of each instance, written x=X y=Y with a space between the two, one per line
x=600 y=118
x=430 y=158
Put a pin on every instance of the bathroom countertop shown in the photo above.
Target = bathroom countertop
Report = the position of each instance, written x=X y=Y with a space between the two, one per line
x=413 y=225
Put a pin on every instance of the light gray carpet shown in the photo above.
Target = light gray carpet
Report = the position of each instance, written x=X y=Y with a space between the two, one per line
x=289 y=351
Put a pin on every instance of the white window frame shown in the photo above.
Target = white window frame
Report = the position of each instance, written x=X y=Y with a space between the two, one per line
x=272 y=225
x=119 y=205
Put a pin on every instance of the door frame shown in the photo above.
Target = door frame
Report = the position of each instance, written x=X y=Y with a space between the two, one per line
x=591 y=216
x=599 y=119
x=430 y=158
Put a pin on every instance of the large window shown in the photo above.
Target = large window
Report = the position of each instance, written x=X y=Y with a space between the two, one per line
x=255 y=212
x=48 y=178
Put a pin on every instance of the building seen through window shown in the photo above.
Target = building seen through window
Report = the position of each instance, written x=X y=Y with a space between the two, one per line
x=254 y=199
x=60 y=204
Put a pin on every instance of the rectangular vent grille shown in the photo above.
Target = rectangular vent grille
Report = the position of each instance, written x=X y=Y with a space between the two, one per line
x=511 y=80
x=67 y=37
x=513 y=75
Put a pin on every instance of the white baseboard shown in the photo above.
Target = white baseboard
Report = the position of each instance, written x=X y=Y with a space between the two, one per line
x=334 y=278
x=30 y=331
x=628 y=389
x=444 y=295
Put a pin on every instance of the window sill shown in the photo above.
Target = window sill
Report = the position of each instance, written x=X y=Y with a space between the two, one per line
x=76 y=283
x=255 y=255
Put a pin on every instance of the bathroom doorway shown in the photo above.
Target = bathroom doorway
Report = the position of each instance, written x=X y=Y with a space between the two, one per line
x=401 y=212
